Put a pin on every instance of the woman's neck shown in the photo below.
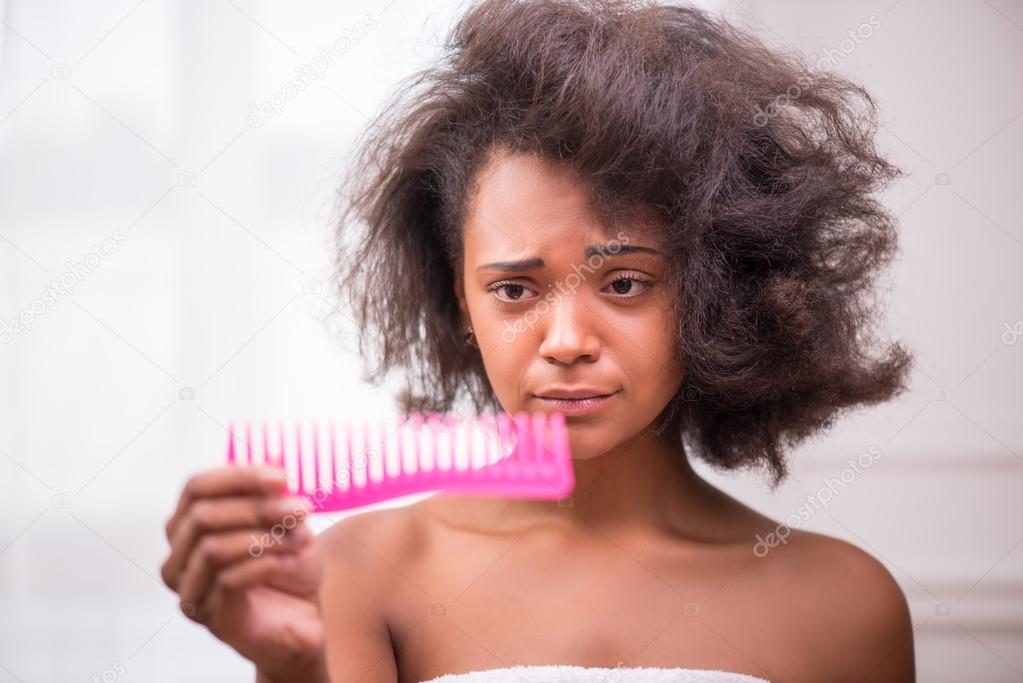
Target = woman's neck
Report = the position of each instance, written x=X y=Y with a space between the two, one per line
x=645 y=484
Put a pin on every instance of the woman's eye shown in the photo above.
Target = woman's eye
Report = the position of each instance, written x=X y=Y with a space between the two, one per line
x=623 y=288
x=514 y=291
x=626 y=286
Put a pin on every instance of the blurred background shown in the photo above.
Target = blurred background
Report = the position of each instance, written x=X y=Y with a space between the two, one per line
x=165 y=201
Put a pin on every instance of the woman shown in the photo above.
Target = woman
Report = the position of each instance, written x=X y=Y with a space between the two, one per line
x=645 y=218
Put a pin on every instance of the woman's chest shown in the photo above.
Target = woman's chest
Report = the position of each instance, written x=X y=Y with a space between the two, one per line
x=603 y=604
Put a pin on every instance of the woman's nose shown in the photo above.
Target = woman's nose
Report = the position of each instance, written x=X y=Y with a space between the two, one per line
x=568 y=332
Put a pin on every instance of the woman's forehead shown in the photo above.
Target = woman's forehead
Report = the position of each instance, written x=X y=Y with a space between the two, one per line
x=527 y=188
x=523 y=233
x=525 y=201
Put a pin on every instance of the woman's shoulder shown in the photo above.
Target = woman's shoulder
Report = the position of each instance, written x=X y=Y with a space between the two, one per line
x=365 y=574
x=373 y=540
x=812 y=559
x=383 y=549
x=818 y=568
x=833 y=566
x=356 y=576
x=845 y=602
x=833 y=596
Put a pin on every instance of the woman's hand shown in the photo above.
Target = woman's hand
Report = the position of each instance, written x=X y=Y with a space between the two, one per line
x=245 y=565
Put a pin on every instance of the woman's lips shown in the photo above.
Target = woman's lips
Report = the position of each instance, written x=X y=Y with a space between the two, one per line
x=576 y=406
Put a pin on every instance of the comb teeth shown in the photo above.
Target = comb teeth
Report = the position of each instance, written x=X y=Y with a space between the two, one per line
x=351 y=463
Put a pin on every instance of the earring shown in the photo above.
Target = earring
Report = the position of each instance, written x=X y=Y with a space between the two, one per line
x=470 y=337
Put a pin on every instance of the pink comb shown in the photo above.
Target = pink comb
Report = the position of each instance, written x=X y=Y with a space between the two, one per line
x=339 y=468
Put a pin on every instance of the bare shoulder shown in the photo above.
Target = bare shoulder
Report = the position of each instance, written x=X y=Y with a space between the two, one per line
x=362 y=555
x=376 y=549
x=370 y=538
x=846 y=602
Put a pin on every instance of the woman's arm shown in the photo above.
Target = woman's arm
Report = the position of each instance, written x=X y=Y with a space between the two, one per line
x=352 y=599
x=315 y=673
x=858 y=612
x=880 y=628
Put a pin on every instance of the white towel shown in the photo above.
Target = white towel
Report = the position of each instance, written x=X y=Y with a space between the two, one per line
x=579 y=674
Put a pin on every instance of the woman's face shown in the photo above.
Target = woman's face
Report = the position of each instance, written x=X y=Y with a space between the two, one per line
x=551 y=310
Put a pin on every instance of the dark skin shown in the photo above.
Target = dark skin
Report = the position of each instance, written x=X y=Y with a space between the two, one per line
x=456 y=597
x=649 y=565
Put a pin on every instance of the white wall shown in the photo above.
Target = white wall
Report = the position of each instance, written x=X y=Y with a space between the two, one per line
x=132 y=118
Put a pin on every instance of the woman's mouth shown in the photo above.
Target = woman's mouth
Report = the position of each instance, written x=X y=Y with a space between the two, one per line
x=576 y=406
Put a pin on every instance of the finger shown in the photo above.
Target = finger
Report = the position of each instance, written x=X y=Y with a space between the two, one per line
x=229 y=480
x=216 y=551
x=258 y=571
x=273 y=515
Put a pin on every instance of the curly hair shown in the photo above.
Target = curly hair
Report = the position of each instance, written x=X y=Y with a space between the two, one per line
x=774 y=239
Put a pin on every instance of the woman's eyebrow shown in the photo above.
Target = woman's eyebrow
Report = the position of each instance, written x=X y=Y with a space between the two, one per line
x=609 y=250
x=604 y=250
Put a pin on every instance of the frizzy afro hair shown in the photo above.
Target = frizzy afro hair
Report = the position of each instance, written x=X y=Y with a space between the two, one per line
x=762 y=169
